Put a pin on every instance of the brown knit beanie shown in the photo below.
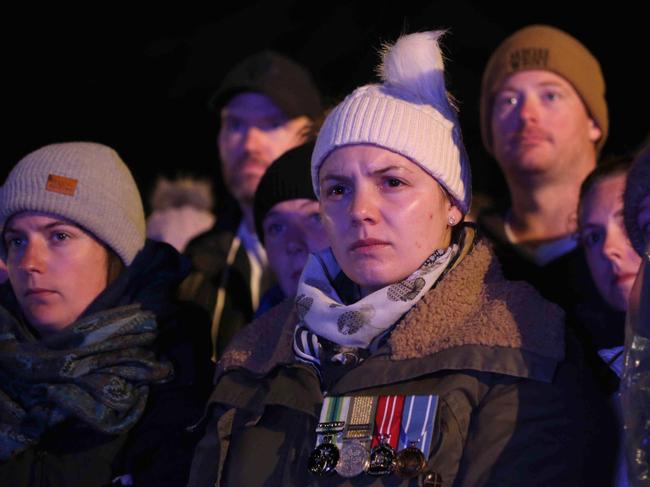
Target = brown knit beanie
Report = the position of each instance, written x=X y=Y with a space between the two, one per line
x=546 y=48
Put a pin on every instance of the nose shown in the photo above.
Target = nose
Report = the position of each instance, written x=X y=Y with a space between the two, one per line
x=296 y=241
x=363 y=205
x=254 y=140
x=32 y=257
x=612 y=249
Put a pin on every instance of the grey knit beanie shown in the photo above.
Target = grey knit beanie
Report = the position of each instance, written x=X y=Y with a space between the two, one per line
x=410 y=113
x=84 y=182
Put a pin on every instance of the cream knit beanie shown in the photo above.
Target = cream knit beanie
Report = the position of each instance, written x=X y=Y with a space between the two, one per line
x=410 y=113
x=84 y=182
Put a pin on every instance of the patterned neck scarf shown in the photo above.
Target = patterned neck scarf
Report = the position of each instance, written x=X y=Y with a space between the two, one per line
x=97 y=371
x=323 y=315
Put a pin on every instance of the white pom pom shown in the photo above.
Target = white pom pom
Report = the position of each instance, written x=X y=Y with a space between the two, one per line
x=414 y=64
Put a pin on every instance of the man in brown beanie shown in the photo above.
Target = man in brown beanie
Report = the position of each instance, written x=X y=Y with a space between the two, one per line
x=266 y=105
x=544 y=119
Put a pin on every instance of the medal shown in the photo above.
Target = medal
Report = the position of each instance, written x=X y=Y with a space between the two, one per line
x=382 y=460
x=410 y=462
x=418 y=418
x=323 y=459
x=354 y=458
x=385 y=439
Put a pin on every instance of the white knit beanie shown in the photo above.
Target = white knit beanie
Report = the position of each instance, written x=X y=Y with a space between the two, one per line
x=84 y=182
x=410 y=113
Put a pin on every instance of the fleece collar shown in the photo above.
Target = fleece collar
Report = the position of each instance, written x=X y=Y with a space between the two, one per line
x=472 y=306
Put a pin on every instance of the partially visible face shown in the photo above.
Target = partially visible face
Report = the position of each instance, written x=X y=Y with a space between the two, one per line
x=254 y=132
x=643 y=219
x=292 y=230
x=540 y=125
x=383 y=214
x=56 y=269
x=612 y=260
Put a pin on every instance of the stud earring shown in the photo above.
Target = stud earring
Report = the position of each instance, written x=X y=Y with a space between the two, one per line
x=452 y=221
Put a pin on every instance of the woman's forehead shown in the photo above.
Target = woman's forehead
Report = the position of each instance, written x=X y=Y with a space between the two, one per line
x=37 y=219
x=365 y=158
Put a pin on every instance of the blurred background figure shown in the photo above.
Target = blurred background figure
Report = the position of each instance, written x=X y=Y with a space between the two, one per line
x=612 y=260
x=181 y=209
x=635 y=388
x=266 y=104
x=613 y=264
x=287 y=220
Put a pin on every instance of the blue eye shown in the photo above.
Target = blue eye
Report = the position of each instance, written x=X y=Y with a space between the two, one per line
x=233 y=124
x=273 y=229
x=551 y=96
x=591 y=238
x=507 y=100
x=14 y=242
x=61 y=236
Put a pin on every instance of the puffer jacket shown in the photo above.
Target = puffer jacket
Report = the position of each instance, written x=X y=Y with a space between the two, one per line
x=510 y=411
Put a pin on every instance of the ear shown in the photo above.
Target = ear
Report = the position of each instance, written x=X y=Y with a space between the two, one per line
x=594 y=131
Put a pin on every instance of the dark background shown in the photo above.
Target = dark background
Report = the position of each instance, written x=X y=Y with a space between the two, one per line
x=138 y=80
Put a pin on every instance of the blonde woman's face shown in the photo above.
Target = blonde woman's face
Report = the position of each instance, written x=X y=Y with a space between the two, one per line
x=56 y=269
x=383 y=214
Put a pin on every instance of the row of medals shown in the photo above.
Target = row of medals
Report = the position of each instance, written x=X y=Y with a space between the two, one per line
x=354 y=459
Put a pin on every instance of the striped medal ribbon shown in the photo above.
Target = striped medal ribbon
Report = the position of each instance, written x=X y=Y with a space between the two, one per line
x=387 y=431
x=418 y=418
x=329 y=435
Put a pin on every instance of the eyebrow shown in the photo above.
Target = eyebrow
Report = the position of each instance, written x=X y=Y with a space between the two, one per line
x=48 y=226
x=375 y=172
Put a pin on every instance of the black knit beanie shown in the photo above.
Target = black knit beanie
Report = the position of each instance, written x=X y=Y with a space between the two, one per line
x=288 y=178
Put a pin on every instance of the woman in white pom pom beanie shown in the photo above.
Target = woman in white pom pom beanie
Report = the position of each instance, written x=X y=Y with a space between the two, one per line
x=406 y=358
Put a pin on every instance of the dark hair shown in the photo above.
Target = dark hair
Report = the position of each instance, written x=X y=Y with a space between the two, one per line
x=609 y=166
x=636 y=189
x=114 y=265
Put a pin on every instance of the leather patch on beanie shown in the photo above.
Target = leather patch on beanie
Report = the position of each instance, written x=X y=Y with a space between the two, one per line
x=61 y=185
x=528 y=58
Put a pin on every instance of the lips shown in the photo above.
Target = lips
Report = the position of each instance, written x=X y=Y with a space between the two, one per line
x=529 y=137
x=367 y=245
x=622 y=278
x=38 y=292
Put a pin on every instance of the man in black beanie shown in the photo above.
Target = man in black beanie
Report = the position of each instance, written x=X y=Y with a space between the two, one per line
x=267 y=104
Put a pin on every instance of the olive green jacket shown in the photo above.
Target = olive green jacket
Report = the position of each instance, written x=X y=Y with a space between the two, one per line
x=492 y=351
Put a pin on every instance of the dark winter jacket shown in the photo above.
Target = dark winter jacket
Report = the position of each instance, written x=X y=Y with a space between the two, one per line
x=510 y=408
x=157 y=450
x=208 y=253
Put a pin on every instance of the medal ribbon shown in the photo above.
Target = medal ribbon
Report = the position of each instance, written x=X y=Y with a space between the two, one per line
x=333 y=414
x=360 y=421
x=387 y=420
x=418 y=418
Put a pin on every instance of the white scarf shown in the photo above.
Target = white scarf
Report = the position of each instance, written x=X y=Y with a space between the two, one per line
x=321 y=310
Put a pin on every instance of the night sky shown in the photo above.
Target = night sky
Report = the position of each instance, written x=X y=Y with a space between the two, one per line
x=139 y=81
